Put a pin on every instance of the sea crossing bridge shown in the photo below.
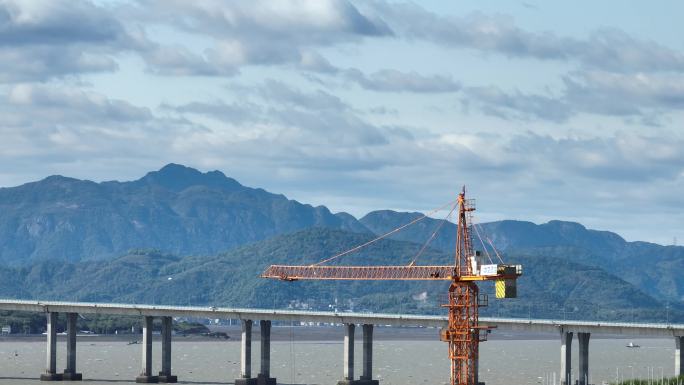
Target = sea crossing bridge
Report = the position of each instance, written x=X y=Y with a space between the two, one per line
x=566 y=330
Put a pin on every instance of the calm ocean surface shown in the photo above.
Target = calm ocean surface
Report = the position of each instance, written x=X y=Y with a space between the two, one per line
x=410 y=361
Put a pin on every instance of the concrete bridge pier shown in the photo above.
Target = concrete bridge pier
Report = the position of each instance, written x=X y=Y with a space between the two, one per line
x=348 y=357
x=367 y=376
x=566 y=358
x=167 y=329
x=264 y=377
x=51 y=367
x=146 y=374
x=679 y=356
x=583 y=375
x=246 y=355
x=70 y=373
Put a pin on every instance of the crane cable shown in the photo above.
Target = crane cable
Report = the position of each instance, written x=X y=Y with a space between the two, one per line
x=427 y=243
x=482 y=242
x=494 y=248
x=492 y=245
x=357 y=248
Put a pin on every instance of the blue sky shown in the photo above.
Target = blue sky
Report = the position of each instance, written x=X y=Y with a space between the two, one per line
x=546 y=110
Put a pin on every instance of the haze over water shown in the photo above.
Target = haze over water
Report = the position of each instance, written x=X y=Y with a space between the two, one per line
x=396 y=362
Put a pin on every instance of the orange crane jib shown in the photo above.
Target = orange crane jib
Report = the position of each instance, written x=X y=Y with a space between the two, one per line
x=418 y=273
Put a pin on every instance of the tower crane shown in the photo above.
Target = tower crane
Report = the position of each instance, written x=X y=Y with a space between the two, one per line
x=463 y=333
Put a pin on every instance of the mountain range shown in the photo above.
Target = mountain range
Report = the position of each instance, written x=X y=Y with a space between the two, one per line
x=181 y=236
x=177 y=209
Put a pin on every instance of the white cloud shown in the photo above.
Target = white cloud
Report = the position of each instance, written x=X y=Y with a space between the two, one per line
x=64 y=105
x=298 y=21
x=625 y=94
x=518 y=105
x=649 y=96
x=388 y=80
x=176 y=60
x=262 y=33
x=606 y=49
x=45 y=39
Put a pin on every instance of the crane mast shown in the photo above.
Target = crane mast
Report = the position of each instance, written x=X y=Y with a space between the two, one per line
x=463 y=333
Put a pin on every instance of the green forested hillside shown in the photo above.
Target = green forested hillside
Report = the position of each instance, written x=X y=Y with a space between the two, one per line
x=549 y=288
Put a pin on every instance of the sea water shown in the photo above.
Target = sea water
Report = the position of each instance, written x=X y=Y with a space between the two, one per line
x=306 y=361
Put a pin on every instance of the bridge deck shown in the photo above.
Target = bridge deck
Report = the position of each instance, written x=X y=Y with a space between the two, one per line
x=523 y=325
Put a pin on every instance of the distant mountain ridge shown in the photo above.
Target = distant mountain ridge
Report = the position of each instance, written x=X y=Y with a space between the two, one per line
x=505 y=235
x=656 y=269
x=177 y=209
